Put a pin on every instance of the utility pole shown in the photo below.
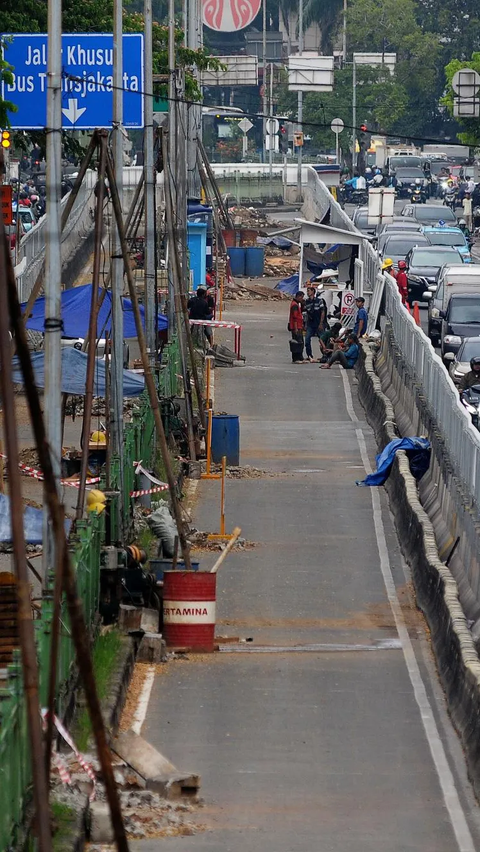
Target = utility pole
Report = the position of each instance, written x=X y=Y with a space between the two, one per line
x=149 y=182
x=272 y=135
x=354 y=114
x=344 y=32
x=300 y=104
x=172 y=135
x=264 y=80
x=53 y=258
x=194 y=110
x=116 y=431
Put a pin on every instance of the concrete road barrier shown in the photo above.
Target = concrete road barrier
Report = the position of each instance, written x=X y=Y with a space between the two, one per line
x=436 y=589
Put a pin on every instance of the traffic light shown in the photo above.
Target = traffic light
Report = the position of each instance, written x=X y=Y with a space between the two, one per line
x=6 y=139
x=283 y=138
x=364 y=138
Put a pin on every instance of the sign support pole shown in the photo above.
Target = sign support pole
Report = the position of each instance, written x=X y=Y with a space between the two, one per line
x=149 y=181
x=116 y=431
x=300 y=105
x=53 y=261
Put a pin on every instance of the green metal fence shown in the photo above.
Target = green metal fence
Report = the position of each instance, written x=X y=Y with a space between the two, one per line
x=15 y=775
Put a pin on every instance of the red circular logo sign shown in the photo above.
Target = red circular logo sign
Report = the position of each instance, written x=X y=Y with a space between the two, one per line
x=227 y=16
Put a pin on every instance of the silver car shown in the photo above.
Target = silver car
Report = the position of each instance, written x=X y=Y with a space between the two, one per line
x=460 y=365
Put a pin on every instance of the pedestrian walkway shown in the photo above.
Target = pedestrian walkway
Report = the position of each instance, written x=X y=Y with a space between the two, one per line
x=325 y=729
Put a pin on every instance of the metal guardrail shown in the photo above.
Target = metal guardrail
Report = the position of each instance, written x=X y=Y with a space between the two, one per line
x=462 y=440
x=436 y=387
x=32 y=245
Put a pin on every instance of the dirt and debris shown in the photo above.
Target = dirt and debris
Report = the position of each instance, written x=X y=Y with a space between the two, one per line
x=146 y=813
x=249 y=217
x=247 y=471
x=243 y=291
x=199 y=543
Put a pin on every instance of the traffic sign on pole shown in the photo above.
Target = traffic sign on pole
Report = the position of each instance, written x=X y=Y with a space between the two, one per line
x=272 y=125
x=245 y=125
x=87 y=80
x=337 y=126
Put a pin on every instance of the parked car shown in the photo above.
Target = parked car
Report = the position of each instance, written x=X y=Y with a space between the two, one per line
x=27 y=216
x=429 y=214
x=451 y=278
x=445 y=235
x=360 y=220
x=398 y=245
x=423 y=265
x=399 y=224
x=460 y=320
x=460 y=365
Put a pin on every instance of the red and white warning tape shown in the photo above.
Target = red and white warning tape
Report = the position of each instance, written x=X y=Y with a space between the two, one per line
x=37 y=474
x=60 y=764
x=144 y=491
x=215 y=323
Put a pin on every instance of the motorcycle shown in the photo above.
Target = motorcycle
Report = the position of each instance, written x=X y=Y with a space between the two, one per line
x=450 y=199
x=358 y=196
x=418 y=196
x=470 y=399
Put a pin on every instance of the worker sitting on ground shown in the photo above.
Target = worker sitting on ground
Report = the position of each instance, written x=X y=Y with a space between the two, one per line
x=199 y=309
x=347 y=357
x=328 y=340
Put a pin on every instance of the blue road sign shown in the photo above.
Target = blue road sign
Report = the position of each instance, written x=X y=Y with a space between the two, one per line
x=87 y=78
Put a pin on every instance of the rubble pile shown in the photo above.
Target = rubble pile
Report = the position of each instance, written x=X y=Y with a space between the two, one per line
x=198 y=540
x=249 y=217
x=145 y=812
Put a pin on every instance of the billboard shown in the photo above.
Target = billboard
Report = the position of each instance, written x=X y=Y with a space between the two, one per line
x=228 y=16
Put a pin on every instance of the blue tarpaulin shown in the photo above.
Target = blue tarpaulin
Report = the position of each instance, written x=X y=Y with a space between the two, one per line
x=418 y=452
x=288 y=285
x=32 y=523
x=76 y=314
x=74 y=374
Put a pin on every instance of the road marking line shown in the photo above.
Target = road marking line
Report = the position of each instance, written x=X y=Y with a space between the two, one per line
x=315 y=648
x=445 y=776
x=143 y=701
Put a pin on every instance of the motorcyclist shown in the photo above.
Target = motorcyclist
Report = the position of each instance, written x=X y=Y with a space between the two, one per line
x=419 y=190
x=450 y=194
x=463 y=227
x=357 y=183
x=402 y=281
x=472 y=377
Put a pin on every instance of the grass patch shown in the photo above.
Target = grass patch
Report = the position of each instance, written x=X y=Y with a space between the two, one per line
x=147 y=541
x=160 y=471
x=105 y=654
x=64 y=820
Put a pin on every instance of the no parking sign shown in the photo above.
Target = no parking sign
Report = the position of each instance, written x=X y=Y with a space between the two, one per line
x=348 y=306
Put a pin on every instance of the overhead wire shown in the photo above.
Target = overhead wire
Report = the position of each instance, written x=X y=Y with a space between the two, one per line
x=261 y=115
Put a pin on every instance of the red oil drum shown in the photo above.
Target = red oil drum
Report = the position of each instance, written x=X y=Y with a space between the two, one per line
x=189 y=609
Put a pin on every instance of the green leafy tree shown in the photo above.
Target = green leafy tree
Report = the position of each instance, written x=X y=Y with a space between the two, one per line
x=377 y=26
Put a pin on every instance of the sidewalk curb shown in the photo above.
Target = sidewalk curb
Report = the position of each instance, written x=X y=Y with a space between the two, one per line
x=436 y=589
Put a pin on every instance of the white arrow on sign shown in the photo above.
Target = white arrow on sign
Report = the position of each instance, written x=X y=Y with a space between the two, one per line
x=73 y=112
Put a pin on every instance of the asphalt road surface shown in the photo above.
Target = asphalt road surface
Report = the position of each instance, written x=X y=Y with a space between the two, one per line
x=324 y=729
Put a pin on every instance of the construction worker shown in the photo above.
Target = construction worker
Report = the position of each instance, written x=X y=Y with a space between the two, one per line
x=402 y=281
x=387 y=266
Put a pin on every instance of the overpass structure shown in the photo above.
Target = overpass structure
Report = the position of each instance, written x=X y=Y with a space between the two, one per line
x=406 y=391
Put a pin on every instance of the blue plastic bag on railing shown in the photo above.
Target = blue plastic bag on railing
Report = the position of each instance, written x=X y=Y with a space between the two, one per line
x=418 y=452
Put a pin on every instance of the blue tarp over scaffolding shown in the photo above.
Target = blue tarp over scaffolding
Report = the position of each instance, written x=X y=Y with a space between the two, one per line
x=75 y=307
x=74 y=374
